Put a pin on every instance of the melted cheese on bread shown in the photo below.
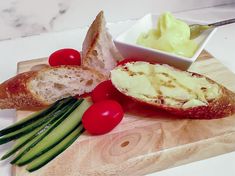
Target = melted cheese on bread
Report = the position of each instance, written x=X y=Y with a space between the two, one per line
x=164 y=84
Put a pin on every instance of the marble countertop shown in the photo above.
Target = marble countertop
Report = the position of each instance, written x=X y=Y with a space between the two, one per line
x=221 y=46
x=29 y=17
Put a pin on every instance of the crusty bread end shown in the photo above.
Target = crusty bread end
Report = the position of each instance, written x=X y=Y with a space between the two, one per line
x=42 y=87
x=98 y=49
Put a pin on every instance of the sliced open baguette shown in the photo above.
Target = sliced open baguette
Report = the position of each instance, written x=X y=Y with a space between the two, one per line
x=98 y=49
x=42 y=87
x=179 y=92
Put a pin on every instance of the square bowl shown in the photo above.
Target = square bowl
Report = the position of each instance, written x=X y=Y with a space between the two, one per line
x=126 y=44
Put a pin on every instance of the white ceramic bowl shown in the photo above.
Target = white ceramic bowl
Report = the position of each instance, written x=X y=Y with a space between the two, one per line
x=126 y=44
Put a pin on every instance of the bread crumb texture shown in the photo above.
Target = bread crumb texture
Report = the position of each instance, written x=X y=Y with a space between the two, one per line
x=54 y=84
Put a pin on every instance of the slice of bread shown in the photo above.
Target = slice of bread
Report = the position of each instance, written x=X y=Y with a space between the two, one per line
x=98 y=49
x=179 y=92
x=42 y=87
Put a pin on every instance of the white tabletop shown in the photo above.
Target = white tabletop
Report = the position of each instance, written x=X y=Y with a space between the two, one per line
x=221 y=46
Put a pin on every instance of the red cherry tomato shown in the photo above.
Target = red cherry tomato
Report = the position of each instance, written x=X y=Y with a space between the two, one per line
x=105 y=90
x=102 y=117
x=65 y=56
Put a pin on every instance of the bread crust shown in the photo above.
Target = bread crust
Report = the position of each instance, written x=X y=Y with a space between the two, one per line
x=98 y=49
x=222 y=106
x=92 y=36
x=16 y=93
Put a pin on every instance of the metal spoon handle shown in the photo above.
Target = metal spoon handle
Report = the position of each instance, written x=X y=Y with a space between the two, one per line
x=221 y=23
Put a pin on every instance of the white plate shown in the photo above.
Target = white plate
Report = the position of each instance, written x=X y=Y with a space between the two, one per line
x=126 y=43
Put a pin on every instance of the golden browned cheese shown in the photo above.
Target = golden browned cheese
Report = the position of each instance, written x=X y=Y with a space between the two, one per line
x=170 y=89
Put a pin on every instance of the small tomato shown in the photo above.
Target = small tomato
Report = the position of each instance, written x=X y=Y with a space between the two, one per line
x=102 y=117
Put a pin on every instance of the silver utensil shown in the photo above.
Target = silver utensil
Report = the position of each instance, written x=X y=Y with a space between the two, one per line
x=197 y=29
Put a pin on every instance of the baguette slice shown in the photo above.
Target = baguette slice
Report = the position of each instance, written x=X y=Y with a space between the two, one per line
x=183 y=93
x=98 y=49
x=35 y=89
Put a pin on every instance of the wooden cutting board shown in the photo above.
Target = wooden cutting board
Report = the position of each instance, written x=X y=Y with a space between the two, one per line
x=141 y=145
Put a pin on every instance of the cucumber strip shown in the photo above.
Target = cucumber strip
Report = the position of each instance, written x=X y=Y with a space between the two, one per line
x=20 y=123
x=46 y=131
x=55 y=151
x=25 y=130
x=26 y=148
x=28 y=120
x=25 y=139
x=20 y=143
x=56 y=135
x=41 y=134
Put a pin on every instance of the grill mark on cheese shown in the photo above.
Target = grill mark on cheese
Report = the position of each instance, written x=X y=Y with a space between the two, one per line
x=179 y=85
x=175 y=80
x=156 y=83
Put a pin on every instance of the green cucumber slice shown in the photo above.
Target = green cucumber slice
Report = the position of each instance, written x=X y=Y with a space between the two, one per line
x=27 y=147
x=31 y=136
x=28 y=128
x=28 y=120
x=63 y=114
x=56 y=135
x=55 y=151
x=20 y=124
x=21 y=142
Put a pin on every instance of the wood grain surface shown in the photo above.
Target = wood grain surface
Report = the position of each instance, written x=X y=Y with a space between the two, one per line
x=147 y=143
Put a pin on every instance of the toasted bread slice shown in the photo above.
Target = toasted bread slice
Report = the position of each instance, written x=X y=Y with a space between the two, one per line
x=98 y=49
x=42 y=87
x=179 y=92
